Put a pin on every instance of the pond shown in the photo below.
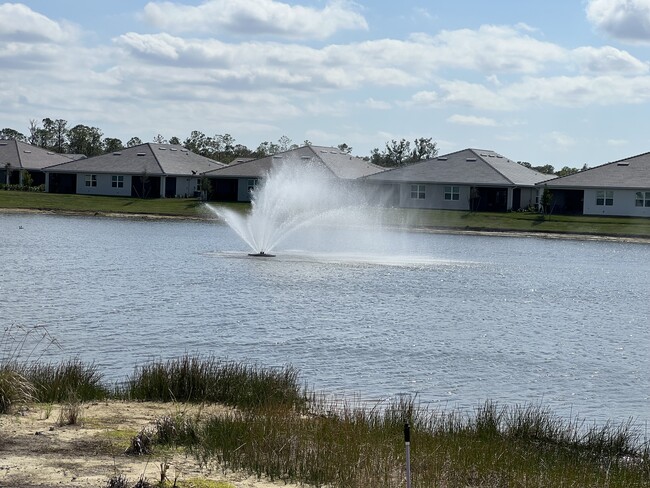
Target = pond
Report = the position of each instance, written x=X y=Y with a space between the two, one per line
x=453 y=319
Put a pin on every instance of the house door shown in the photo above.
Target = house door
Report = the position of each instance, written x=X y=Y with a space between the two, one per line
x=516 y=199
x=170 y=187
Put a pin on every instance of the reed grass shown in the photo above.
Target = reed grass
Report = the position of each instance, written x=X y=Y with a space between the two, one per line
x=70 y=379
x=205 y=379
x=347 y=446
x=280 y=431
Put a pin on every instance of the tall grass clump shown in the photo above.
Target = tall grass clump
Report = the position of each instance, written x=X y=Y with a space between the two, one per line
x=55 y=383
x=19 y=345
x=198 y=379
x=342 y=445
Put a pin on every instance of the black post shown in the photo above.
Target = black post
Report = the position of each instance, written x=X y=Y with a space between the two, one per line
x=407 y=443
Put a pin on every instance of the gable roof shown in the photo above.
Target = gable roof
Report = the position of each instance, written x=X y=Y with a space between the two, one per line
x=632 y=172
x=152 y=159
x=20 y=155
x=337 y=162
x=465 y=167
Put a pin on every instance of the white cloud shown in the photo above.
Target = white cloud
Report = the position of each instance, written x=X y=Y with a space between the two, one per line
x=627 y=20
x=617 y=142
x=426 y=98
x=373 y=104
x=472 y=120
x=19 y=23
x=256 y=17
x=559 y=140
x=608 y=59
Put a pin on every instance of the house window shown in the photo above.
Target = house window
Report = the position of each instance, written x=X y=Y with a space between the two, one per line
x=91 y=180
x=605 y=197
x=642 y=199
x=452 y=193
x=418 y=192
x=252 y=184
x=117 y=181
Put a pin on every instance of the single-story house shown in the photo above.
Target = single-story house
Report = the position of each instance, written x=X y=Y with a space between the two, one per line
x=16 y=157
x=620 y=188
x=147 y=171
x=470 y=179
x=235 y=182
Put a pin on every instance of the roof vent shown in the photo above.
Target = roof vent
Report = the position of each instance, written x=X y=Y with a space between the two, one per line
x=442 y=158
x=499 y=156
x=26 y=151
x=622 y=164
x=277 y=157
x=50 y=153
x=2 y=143
x=117 y=153
x=470 y=159
x=173 y=149
x=183 y=150
x=305 y=157
x=142 y=154
x=162 y=148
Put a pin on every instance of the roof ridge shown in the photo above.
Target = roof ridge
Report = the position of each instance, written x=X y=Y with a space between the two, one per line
x=490 y=165
x=155 y=157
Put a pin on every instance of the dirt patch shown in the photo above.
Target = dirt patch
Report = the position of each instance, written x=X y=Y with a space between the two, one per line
x=36 y=452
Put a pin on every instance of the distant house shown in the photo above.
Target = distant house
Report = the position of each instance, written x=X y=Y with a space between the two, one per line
x=16 y=157
x=620 y=188
x=147 y=171
x=470 y=179
x=234 y=182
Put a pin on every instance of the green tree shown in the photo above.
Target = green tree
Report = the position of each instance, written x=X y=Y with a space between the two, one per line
x=566 y=171
x=345 y=148
x=399 y=153
x=175 y=140
x=85 y=140
x=112 y=144
x=134 y=141
x=199 y=143
x=8 y=133
x=423 y=148
x=159 y=139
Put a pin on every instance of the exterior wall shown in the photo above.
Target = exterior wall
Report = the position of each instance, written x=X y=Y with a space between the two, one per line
x=529 y=196
x=434 y=197
x=186 y=186
x=104 y=185
x=243 y=189
x=624 y=204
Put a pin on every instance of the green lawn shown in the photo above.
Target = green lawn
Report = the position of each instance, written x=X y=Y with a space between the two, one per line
x=440 y=219
x=178 y=207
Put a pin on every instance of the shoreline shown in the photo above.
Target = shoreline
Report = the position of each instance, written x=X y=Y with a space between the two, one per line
x=631 y=239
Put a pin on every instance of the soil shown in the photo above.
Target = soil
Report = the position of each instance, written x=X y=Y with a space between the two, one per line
x=35 y=451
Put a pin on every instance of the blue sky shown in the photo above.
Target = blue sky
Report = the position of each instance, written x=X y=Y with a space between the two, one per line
x=561 y=82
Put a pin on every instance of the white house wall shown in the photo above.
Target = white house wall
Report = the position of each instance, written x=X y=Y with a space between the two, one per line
x=434 y=198
x=624 y=204
x=185 y=186
x=104 y=185
x=528 y=197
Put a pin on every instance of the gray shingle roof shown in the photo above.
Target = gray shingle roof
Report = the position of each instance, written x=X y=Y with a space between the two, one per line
x=466 y=167
x=632 y=172
x=21 y=155
x=340 y=164
x=152 y=159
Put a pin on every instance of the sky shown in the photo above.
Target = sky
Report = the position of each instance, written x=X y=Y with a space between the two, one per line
x=560 y=82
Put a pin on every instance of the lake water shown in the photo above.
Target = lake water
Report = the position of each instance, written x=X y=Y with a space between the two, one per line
x=454 y=319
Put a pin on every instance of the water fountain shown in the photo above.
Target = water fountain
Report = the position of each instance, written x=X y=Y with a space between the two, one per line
x=295 y=194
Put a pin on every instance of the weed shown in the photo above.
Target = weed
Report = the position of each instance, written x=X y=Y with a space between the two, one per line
x=70 y=413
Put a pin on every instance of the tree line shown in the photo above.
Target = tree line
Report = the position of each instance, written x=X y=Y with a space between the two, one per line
x=548 y=169
x=56 y=135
